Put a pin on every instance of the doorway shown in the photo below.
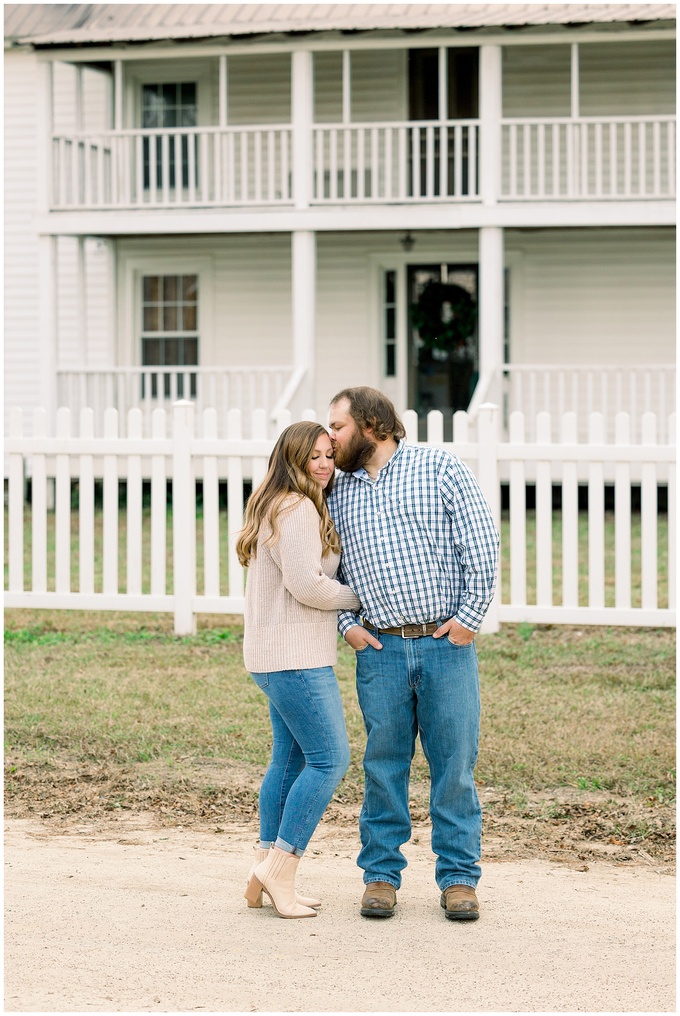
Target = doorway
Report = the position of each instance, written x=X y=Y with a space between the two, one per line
x=443 y=347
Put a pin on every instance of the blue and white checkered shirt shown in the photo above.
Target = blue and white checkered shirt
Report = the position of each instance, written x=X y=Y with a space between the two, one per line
x=419 y=543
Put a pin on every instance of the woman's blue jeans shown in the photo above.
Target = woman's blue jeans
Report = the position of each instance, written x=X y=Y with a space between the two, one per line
x=427 y=686
x=310 y=754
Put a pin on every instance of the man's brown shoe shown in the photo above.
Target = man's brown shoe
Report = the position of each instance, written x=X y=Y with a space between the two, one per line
x=379 y=900
x=460 y=903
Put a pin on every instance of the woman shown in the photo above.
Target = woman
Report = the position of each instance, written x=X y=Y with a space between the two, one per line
x=292 y=551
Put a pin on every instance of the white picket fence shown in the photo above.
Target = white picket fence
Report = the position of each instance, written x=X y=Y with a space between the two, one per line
x=546 y=585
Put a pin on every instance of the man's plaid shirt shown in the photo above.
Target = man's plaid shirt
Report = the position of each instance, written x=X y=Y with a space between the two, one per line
x=419 y=543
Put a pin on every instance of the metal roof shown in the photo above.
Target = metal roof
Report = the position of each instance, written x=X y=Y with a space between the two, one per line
x=69 y=24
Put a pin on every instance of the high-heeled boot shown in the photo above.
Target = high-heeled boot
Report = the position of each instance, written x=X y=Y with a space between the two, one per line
x=276 y=875
x=304 y=901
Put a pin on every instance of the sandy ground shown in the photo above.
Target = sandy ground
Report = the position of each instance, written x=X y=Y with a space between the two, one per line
x=130 y=918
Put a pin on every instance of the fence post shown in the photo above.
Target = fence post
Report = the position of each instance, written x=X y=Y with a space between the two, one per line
x=183 y=519
x=487 y=474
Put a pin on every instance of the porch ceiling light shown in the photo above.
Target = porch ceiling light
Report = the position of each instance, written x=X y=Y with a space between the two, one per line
x=407 y=241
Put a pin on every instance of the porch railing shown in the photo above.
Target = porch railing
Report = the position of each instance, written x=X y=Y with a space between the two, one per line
x=597 y=158
x=176 y=167
x=559 y=388
x=149 y=388
x=376 y=162
x=543 y=159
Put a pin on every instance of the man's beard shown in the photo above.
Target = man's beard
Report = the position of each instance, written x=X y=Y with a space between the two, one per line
x=354 y=455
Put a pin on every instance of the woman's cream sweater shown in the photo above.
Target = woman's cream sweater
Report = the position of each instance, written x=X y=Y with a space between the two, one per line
x=292 y=597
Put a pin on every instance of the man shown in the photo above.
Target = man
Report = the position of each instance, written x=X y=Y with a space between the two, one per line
x=420 y=549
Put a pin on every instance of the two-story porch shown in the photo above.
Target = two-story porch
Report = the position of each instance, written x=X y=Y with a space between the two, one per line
x=259 y=224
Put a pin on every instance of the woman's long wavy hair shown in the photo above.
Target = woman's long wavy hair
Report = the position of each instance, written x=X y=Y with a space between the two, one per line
x=287 y=474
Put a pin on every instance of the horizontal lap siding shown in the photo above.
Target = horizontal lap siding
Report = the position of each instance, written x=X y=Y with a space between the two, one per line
x=593 y=296
x=246 y=319
x=21 y=321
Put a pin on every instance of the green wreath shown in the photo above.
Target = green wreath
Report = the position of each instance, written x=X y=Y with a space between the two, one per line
x=444 y=315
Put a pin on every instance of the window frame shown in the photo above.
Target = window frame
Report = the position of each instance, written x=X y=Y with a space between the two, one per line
x=132 y=269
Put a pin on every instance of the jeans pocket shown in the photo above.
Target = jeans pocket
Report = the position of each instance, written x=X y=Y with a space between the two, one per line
x=357 y=651
x=261 y=680
x=458 y=645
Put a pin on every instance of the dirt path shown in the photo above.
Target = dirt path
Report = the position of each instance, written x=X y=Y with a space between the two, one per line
x=132 y=918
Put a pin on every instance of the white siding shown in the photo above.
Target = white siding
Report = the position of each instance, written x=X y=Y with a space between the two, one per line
x=98 y=304
x=536 y=81
x=633 y=78
x=246 y=320
x=259 y=89
x=615 y=79
x=21 y=323
x=593 y=296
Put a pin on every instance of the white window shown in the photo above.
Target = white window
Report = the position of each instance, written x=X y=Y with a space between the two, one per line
x=169 y=335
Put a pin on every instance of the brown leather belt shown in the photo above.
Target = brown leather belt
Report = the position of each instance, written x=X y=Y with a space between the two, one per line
x=406 y=631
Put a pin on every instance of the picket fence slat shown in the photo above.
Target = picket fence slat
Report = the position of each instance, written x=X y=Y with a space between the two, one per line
x=596 y=517
x=544 y=563
x=211 y=515
x=16 y=508
x=134 y=508
x=570 y=556
x=159 y=515
x=62 y=524
x=86 y=509
x=518 y=516
x=234 y=505
x=622 y=518
x=39 y=509
x=532 y=455
x=110 y=508
x=648 y=511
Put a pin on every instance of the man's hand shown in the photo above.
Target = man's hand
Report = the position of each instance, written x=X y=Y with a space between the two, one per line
x=455 y=633
x=359 y=637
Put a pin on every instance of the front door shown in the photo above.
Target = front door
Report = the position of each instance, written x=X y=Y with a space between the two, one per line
x=443 y=358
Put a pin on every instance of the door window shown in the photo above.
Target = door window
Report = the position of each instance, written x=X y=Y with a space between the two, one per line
x=170 y=107
x=443 y=354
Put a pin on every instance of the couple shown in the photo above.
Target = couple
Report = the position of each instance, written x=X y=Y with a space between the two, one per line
x=419 y=557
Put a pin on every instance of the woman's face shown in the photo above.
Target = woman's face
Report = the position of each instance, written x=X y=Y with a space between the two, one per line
x=321 y=465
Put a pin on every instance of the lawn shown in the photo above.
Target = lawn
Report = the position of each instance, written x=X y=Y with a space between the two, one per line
x=111 y=712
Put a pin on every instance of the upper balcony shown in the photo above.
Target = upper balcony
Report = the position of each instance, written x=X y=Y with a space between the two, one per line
x=523 y=124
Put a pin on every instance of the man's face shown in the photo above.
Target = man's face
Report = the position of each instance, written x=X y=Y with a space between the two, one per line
x=353 y=447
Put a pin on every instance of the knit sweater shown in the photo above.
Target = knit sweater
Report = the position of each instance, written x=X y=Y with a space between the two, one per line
x=292 y=597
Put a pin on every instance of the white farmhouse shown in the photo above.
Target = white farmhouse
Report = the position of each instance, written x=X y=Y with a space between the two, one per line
x=257 y=205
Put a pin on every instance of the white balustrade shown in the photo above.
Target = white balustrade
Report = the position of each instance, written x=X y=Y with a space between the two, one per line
x=396 y=161
x=174 y=167
x=589 y=158
x=579 y=389
x=151 y=388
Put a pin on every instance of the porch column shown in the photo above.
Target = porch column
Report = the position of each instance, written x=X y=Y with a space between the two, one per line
x=490 y=113
x=491 y=259
x=303 y=257
x=302 y=122
x=47 y=298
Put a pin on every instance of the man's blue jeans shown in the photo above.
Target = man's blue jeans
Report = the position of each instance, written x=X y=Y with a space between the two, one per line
x=310 y=754
x=427 y=686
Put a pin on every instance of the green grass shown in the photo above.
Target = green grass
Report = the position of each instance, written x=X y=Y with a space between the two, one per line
x=112 y=711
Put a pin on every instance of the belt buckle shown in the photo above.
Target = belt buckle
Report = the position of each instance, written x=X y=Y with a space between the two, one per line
x=415 y=635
